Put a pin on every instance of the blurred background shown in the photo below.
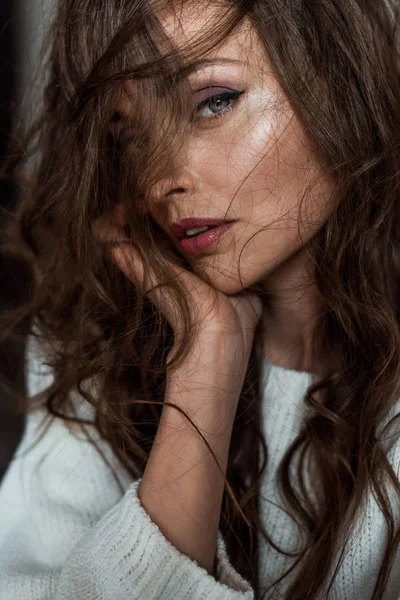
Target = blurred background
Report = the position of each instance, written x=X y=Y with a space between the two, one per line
x=22 y=25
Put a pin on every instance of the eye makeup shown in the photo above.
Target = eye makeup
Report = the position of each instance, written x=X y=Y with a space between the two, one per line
x=211 y=99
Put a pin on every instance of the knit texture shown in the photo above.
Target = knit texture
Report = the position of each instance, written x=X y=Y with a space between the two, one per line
x=68 y=531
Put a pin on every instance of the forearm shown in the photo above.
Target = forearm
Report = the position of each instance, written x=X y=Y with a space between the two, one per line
x=182 y=487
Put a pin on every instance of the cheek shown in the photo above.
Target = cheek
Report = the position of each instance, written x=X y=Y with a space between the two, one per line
x=277 y=167
x=276 y=163
x=270 y=165
x=259 y=165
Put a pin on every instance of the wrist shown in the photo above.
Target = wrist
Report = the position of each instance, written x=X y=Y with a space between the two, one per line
x=211 y=408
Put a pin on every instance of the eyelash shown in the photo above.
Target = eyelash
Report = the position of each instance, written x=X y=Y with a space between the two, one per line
x=233 y=95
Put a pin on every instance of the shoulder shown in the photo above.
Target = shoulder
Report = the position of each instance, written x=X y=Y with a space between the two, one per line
x=60 y=450
x=38 y=375
x=389 y=436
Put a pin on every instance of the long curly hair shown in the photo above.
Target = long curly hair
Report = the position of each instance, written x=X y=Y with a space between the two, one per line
x=337 y=62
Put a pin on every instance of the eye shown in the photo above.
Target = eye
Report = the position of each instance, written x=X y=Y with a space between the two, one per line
x=217 y=105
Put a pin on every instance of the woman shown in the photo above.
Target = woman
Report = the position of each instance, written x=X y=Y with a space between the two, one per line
x=213 y=230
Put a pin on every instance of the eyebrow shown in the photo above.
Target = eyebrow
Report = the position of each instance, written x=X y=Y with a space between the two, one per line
x=184 y=72
x=205 y=62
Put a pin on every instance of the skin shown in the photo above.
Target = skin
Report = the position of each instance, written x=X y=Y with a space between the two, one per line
x=251 y=165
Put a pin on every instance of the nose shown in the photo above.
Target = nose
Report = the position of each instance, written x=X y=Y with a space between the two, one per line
x=179 y=182
x=170 y=192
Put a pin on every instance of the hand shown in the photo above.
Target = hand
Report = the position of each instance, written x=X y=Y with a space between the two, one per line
x=225 y=324
x=182 y=481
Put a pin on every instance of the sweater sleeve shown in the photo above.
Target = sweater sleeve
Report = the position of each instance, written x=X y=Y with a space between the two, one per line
x=127 y=556
x=67 y=530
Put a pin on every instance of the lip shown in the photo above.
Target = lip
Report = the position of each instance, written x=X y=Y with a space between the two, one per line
x=200 y=242
x=179 y=229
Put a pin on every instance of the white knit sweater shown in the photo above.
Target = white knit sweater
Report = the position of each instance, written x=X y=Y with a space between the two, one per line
x=67 y=532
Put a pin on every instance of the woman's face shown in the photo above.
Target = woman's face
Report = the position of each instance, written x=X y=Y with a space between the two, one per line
x=247 y=160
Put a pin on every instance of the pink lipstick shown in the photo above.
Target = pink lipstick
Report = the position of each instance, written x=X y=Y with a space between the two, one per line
x=195 y=235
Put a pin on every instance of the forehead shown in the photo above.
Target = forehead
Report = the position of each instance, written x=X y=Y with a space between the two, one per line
x=186 y=21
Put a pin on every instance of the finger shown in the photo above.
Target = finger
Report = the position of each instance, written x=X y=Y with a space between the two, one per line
x=127 y=257
x=129 y=261
x=159 y=292
x=112 y=237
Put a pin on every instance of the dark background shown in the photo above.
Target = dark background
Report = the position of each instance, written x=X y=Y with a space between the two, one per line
x=12 y=273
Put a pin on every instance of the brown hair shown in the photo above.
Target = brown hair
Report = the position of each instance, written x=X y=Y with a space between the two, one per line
x=98 y=325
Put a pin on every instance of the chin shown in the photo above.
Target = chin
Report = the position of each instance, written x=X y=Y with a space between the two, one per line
x=228 y=283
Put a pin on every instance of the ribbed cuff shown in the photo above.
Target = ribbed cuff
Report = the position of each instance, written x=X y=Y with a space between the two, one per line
x=126 y=555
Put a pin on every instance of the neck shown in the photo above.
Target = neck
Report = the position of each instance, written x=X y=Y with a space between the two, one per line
x=292 y=309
